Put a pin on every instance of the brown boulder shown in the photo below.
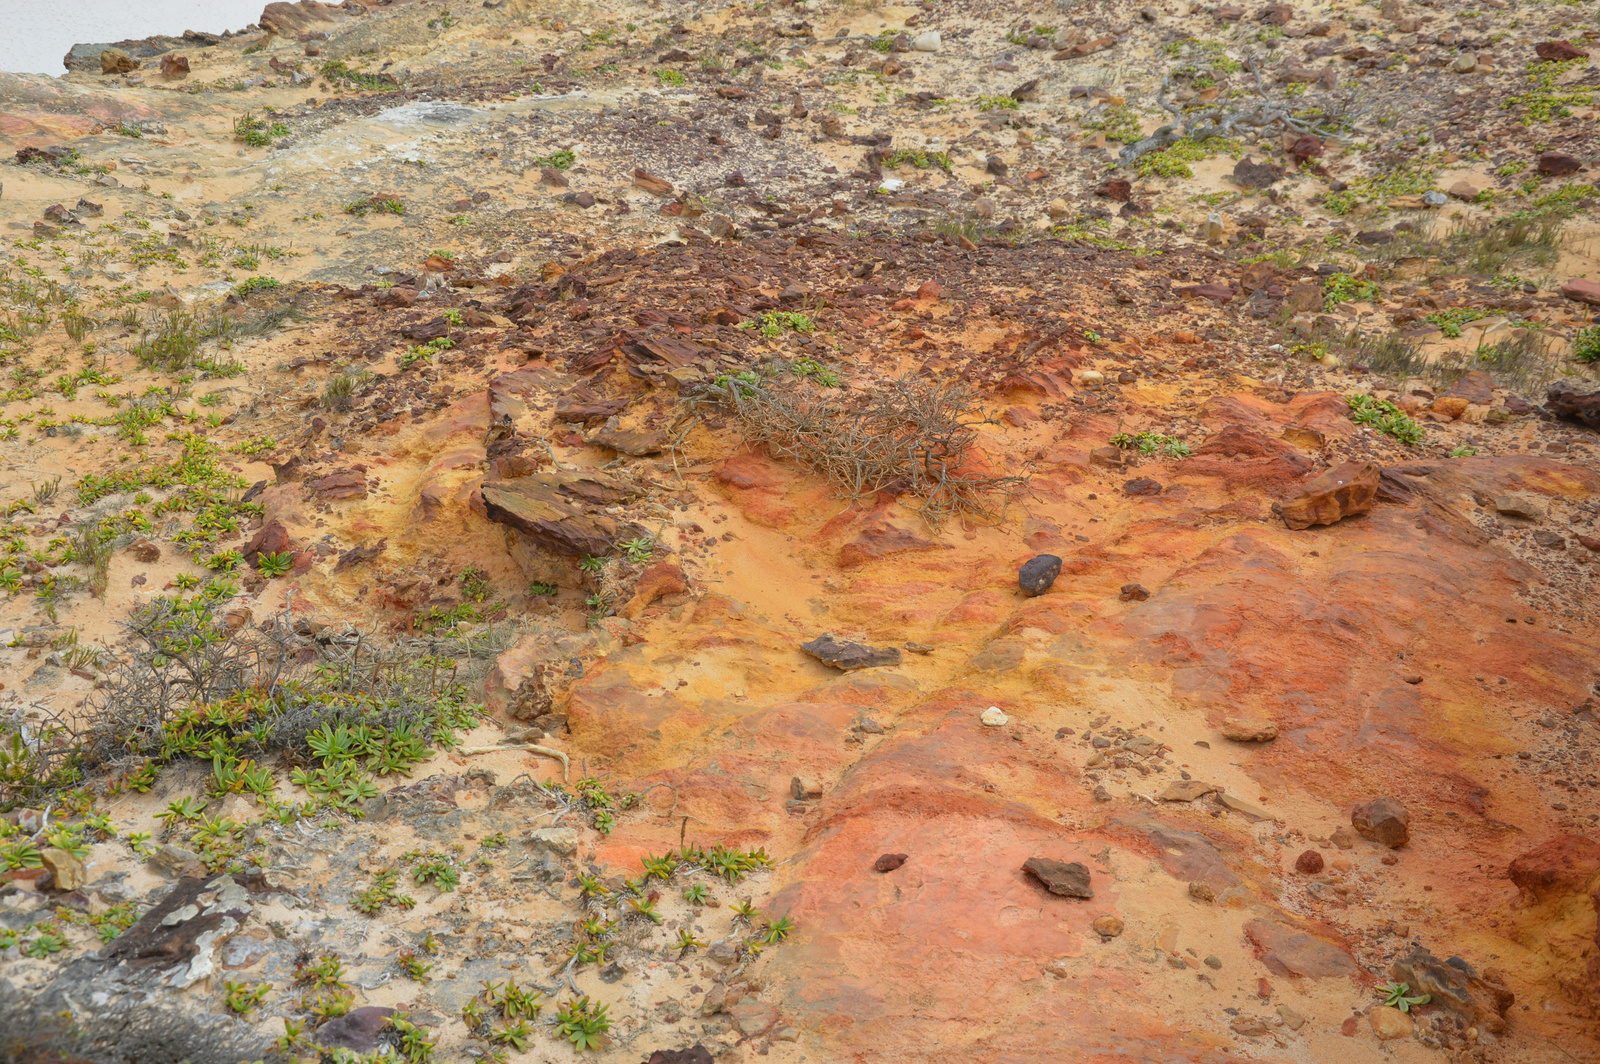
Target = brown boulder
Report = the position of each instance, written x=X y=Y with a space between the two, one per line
x=1559 y=51
x=1310 y=862
x=116 y=61
x=1339 y=493
x=1558 y=164
x=1068 y=879
x=1574 y=400
x=652 y=184
x=1456 y=986
x=1118 y=188
x=1383 y=820
x=558 y=511
x=1565 y=865
x=1582 y=291
x=344 y=484
x=1244 y=730
x=1247 y=173
x=174 y=67
x=143 y=551
x=271 y=538
x=291 y=20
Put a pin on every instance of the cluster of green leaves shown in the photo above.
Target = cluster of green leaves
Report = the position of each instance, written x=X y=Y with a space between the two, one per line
x=257 y=132
x=772 y=323
x=1411 y=178
x=338 y=72
x=1546 y=101
x=1586 y=345
x=1399 y=996
x=378 y=203
x=1117 y=123
x=1452 y=319
x=424 y=352
x=241 y=997
x=1384 y=416
x=433 y=867
x=917 y=157
x=1342 y=288
x=1151 y=443
x=810 y=369
x=557 y=160
x=475 y=607
x=385 y=890
x=256 y=284
x=669 y=77
x=1173 y=161
x=996 y=103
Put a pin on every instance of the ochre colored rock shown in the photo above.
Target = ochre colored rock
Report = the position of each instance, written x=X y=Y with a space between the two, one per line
x=1288 y=951
x=1249 y=730
x=66 y=871
x=1390 y=1023
x=1383 y=820
x=1567 y=864
x=1341 y=492
x=116 y=61
x=662 y=578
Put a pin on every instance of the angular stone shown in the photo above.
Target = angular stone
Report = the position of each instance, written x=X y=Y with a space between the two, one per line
x=116 y=61
x=1069 y=879
x=843 y=654
x=662 y=578
x=558 y=840
x=1455 y=985
x=1248 y=730
x=1383 y=820
x=652 y=184
x=559 y=511
x=753 y=1017
x=1247 y=173
x=1389 y=1023
x=171 y=858
x=1567 y=864
x=804 y=789
x=1287 y=951
x=1464 y=190
x=1251 y=812
x=1559 y=51
x=356 y=1030
x=66 y=871
x=143 y=550
x=1186 y=790
x=1575 y=400
x=1038 y=574
x=1519 y=506
x=1558 y=164
x=1341 y=492
x=174 y=67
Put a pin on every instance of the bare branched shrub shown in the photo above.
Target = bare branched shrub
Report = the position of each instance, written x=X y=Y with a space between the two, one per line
x=906 y=435
x=38 y=755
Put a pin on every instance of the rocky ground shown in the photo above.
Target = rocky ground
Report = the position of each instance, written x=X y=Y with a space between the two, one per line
x=817 y=531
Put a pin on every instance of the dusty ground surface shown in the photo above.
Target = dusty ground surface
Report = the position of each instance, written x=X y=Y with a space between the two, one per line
x=441 y=356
